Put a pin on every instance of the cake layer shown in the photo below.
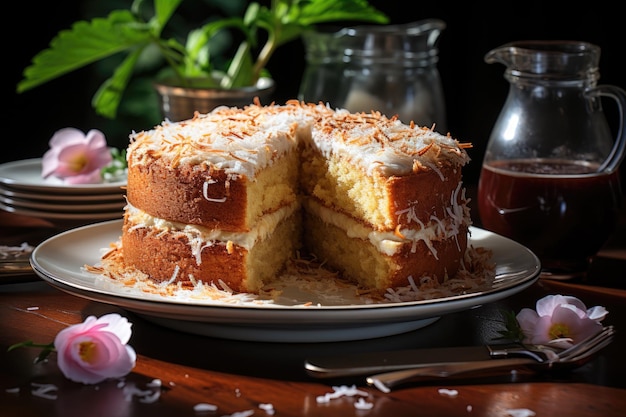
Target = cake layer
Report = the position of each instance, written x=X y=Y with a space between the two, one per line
x=382 y=202
x=221 y=171
x=174 y=252
x=212 y=198
x=380 y=260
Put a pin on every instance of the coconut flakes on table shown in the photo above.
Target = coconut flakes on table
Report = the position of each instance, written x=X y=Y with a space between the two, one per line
x=246 y=413
x=47 y=391
x=448 y=392
x=361 y=404
x=520 y=412
x=341 y=391
x=145 y=396
x=204 y=407
x=15 y=252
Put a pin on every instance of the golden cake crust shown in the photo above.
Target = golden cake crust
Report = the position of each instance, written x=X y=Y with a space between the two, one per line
x=168 y=257
x=177 y=194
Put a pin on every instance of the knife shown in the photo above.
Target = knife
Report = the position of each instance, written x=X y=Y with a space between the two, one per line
x=477 y=357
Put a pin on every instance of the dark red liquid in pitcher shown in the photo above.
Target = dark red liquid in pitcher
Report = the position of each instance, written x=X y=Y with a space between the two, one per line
x=561 y=210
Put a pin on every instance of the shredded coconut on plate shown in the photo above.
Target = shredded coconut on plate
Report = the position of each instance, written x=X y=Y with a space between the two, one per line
x=304 y=284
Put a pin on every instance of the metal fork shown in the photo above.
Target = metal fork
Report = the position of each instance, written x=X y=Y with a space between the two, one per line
x=570 y=358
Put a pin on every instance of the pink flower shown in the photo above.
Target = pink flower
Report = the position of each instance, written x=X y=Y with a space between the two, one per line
x=560 y=321
x=96 y=349
x=76 y=158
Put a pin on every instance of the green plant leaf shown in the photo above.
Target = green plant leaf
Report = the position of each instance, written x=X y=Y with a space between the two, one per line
x=163 y=11
x=288 y=19
x=196 y=62
x=239 y=72
x=512 y=330
x=85 y=43
x=321 y=11
x=109 y=95
x=127 y=31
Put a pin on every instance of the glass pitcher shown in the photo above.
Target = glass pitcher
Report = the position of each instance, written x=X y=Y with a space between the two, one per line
x=549 y=178
x=390 y=68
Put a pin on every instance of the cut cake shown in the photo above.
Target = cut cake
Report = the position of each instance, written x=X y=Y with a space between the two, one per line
x=229 y=197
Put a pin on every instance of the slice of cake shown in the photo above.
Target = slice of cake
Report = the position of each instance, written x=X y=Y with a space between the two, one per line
x=384 y=201
x=214 y=198
x=220 y=198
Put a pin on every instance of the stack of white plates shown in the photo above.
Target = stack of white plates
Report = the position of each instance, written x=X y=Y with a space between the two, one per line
x=24 y=191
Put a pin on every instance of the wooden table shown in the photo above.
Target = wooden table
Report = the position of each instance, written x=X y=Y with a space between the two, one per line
x=238 y=376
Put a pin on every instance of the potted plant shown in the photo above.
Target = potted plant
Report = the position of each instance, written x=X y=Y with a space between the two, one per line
x=140 y=30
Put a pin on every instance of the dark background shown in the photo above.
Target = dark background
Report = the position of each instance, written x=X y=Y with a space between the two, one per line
x=474 y=91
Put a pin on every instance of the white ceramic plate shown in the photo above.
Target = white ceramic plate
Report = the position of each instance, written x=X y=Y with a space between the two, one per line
x=117 y=195
x=56 y=215
x=25 y=174
x=64 y=206
x=59 y=260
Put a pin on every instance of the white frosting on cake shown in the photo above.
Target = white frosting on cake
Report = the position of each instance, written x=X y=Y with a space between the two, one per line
x=385 y=145
x=244 y=142
x=240 y=144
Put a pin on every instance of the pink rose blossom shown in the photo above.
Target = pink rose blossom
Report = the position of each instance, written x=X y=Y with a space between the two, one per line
x=96 y=349
x=76 y=158
x=560 y=321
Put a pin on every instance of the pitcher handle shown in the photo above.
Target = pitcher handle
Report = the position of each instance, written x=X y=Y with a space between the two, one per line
x=617 y=153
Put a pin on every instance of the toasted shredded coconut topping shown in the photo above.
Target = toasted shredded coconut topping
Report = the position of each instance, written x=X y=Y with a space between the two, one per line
x=244 y=141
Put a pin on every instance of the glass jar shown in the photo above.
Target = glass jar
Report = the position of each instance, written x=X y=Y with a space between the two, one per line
x=549 y=178
x=389 y=68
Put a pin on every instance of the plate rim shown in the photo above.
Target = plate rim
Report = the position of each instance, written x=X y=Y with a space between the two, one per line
x=62 y=207
x=51 y=215
x=61 y=197
x=35 y=165
x=262 y=316
x=118 y=222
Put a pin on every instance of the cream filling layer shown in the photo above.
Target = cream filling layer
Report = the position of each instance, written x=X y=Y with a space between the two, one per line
x=200 y=237
x=387 y=242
